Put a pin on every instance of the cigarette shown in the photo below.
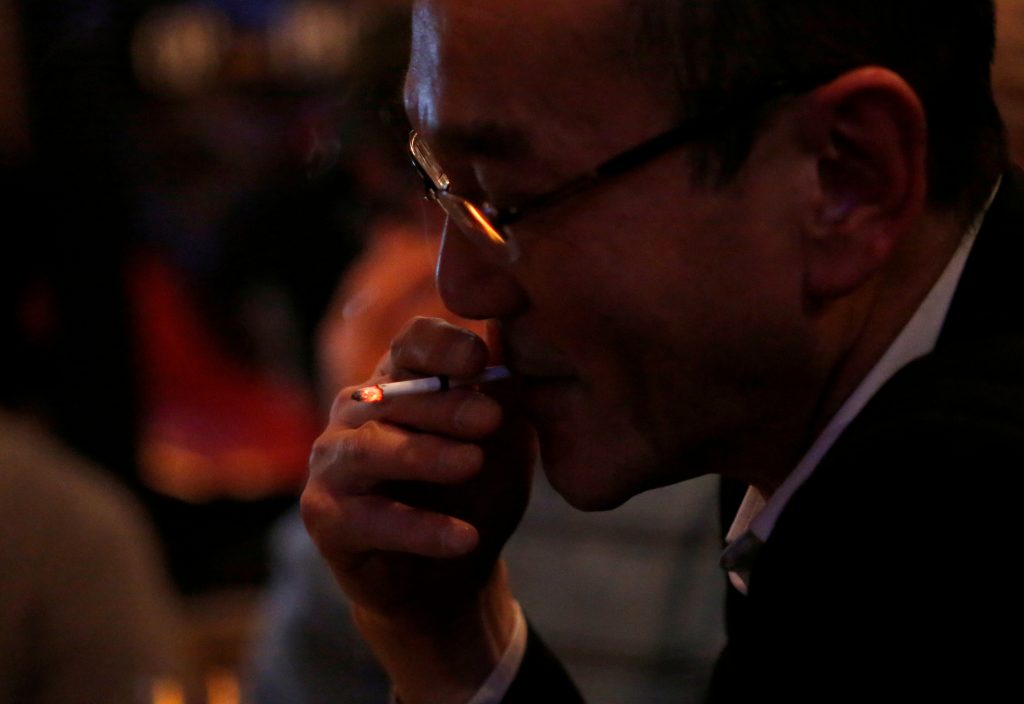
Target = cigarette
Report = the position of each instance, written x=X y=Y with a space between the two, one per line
x=426 y=385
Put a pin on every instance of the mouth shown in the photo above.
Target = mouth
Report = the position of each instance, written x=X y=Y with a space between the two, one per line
x=535 y=363
x=549 y=399
x=543 y=377
x=540 y=375
x=543 y=384
x=543 y=372
x=534 y=385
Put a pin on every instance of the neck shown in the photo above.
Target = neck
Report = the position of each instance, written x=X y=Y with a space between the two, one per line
x=851 y=334
x=876 y=315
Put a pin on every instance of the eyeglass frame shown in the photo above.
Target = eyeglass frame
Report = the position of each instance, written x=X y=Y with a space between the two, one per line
x=493 y=221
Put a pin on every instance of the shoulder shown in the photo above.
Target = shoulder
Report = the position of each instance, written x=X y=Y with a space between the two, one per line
x=885 y=570
x=895 y=544
x=86 y=600
x=931 y=448
x=59 y=500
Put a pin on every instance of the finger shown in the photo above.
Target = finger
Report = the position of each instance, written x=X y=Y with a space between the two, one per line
x=431 y=346
x=460 y=413
x=357 y=525
x=353 y=461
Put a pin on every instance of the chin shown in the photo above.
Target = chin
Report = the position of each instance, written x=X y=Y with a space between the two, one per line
x=584 y=479
x=596 y=460
x=601 y=469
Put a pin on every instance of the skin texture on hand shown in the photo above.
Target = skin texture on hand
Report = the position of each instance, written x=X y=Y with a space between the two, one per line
x=411 y=501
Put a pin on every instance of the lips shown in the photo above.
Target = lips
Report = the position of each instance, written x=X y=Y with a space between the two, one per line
x=547 y=381
x=535 y=362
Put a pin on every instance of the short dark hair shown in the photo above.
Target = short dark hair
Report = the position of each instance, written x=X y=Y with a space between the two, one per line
x=714 y=49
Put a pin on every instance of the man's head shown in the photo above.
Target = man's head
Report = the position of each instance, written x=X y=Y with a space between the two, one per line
x=700 y=311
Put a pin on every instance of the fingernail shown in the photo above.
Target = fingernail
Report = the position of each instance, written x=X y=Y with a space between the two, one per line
x=459 y=539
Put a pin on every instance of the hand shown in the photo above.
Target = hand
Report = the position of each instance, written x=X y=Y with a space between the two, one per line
x=411 y=500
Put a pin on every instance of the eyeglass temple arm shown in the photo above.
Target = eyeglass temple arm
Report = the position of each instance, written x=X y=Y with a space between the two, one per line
x=654 y=147
x=622 y=163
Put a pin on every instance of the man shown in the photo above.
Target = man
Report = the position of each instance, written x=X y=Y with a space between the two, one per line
x=745 y=293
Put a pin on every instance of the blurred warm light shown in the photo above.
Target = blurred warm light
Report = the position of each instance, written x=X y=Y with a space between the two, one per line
x=168 y=691
x=213 y=429
x=313 y=42
x=180 y=49
x=187 y=48
x=222 y=688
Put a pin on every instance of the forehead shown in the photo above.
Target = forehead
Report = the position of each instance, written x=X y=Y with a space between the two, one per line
x=494 y=75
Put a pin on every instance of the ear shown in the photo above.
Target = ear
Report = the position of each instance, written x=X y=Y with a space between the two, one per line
x=867 y=133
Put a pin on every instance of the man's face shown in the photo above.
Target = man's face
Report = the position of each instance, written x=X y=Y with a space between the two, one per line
x=657 y=325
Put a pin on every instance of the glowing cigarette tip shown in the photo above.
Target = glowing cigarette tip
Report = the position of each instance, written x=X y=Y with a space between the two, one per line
x=369 y=394
x=430 y=384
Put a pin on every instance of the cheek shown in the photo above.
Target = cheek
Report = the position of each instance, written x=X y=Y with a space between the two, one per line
x=671 y=320
x=611 y=328
x=673 y=331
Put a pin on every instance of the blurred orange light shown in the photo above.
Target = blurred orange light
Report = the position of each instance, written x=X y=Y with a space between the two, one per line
x=168 y=691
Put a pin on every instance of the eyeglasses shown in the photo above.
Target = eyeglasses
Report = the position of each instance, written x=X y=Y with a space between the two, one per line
x=492 y=222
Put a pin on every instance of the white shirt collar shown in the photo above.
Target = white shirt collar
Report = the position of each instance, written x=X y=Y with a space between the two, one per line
x=756 y=517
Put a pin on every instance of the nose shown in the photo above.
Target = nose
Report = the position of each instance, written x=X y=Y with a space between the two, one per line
x=475 y=280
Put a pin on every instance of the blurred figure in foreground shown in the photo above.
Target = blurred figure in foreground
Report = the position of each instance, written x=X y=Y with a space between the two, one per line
x=88 y=614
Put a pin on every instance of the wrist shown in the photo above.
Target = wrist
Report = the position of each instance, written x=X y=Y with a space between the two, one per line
x=444 y=660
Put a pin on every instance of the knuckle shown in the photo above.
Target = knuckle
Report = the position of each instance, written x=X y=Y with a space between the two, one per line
x=313 y=506
x=320 y=455
x=413 y=451
x=359 y=445
x=328 y=522
x=337 y=458
x=352 y=448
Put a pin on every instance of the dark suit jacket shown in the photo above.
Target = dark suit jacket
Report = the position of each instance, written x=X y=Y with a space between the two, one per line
x=890 y=572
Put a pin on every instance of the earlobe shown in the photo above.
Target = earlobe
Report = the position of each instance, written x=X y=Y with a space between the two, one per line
x=866 y=131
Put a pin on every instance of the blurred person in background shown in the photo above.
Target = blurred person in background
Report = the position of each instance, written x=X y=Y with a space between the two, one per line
x=89 y=614
x=574 y=571
x=120 y=190
x=179 y=183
